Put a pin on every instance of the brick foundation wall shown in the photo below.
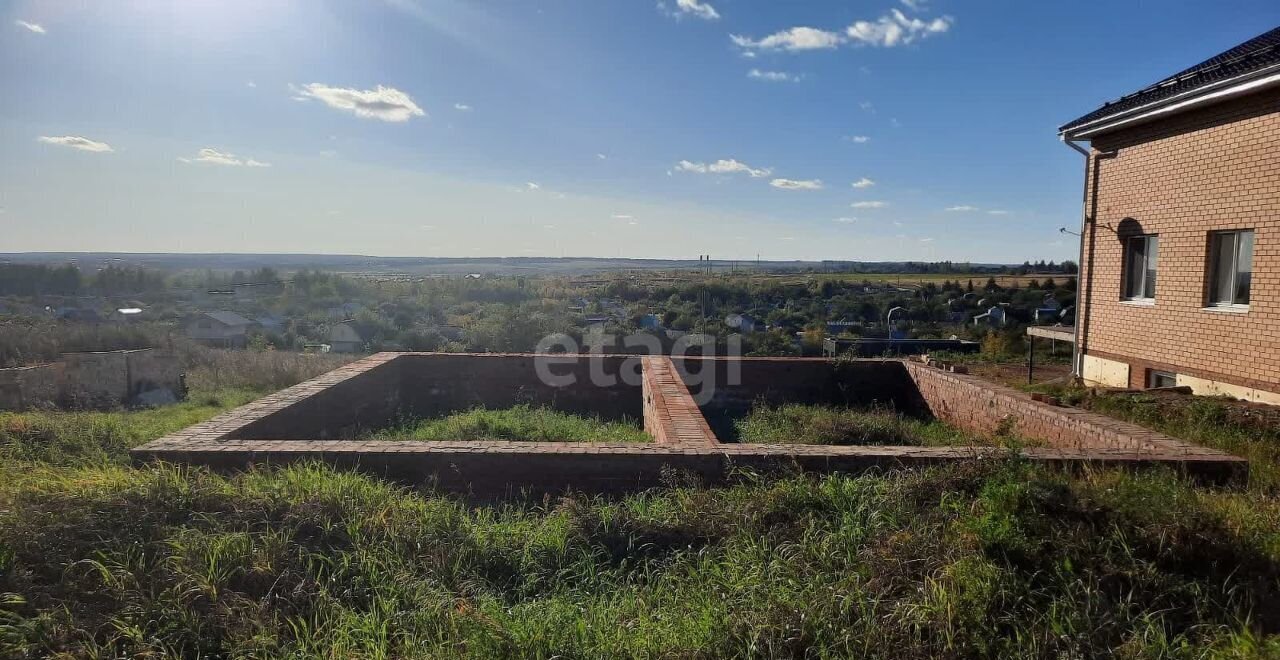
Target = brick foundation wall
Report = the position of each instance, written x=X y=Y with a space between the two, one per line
x=739 y=383
x=671 y=416
x=506 y=468
x=359 y=396
x=1212 y=169
x=308 y=422
x=438 y=384
x=977 y=406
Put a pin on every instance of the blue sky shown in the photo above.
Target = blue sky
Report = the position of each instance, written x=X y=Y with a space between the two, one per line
x=571 y=127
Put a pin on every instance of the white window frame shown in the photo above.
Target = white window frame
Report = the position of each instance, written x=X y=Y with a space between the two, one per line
x=1211 y=289
x=1126 y=283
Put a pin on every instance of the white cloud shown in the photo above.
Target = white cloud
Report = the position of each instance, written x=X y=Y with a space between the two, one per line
x=962 y=208
x=795 y=39
x=622 y=216
x=892 y=29
x=915 y=5
x=462 y=107
x=997 y=212
x=384 y=103
x=858 y=139
x=792 y=184
x=773 y=76
x=723 y=166
x=869 y=205
x=532 y=186
x=602 y=157
x=77 y=142
x=926 y=240
x=702 y=10
x=695 y=8
x=33 y=27
x=215 y=157
x=867 y=106
x=845 y=220
x=864 y=182
x=895 y=29
x=251 y=85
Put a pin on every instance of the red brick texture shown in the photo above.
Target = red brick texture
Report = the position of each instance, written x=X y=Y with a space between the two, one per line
x=436 y=384
x=727 y=388
x=1213 y=169
x=984 y=408
x=683 y=441
x=670 y=414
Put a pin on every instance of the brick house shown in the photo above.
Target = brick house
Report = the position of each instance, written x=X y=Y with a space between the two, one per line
x=1180 y=239
x=220 y=329
x=347 y=337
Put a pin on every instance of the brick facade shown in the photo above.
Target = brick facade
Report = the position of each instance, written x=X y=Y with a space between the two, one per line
x=1211 y=169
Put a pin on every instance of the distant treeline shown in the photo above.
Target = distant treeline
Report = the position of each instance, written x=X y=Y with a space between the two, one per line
x=70 y=280
x=948 y=268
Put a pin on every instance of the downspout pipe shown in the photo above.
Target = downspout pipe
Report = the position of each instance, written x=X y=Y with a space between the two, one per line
x=1077 y=355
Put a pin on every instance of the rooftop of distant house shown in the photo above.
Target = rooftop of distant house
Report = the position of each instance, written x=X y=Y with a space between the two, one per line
x=228 y=318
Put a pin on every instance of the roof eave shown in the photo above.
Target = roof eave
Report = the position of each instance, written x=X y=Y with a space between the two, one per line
x=1221 y=90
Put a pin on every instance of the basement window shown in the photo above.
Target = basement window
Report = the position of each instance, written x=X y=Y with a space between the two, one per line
x=1161 y=379
x=1230 y=268
x=1140 y=268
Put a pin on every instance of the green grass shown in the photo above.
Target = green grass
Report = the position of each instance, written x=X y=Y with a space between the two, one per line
x=995 y=559
x=827 y=425
x=77 y=438
x=1201 y=420
x=521 y=422
x=1000 y=559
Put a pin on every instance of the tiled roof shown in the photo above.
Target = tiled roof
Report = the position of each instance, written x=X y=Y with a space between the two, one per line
x=1258 y=53
x=228 y=318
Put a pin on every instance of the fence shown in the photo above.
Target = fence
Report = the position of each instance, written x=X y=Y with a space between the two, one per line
x=91 y=380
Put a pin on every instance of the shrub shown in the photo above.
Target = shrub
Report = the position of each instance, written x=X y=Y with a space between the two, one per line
x=213 y=369
x=26 y=341
x=1002 y=345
